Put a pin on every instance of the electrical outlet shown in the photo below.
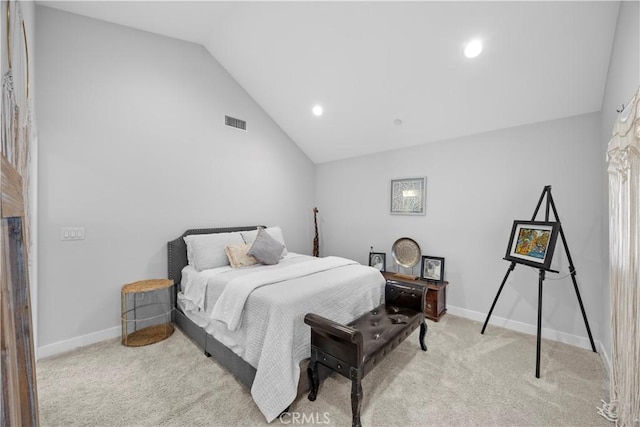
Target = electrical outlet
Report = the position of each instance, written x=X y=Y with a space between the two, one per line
x=72 y=233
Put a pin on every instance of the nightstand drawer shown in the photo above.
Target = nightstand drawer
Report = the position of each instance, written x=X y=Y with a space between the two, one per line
x=431 y=308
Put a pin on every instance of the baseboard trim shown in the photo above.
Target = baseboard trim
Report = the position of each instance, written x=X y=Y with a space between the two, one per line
x=606 y=359
x=525 y=328
x=81 y=341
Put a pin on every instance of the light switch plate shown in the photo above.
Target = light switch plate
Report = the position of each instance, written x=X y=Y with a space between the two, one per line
x=72 y=233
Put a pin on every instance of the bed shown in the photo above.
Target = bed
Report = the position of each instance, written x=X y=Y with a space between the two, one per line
x=251 y=319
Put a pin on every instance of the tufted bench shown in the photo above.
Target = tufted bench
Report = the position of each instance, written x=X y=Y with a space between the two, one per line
x=353 y=350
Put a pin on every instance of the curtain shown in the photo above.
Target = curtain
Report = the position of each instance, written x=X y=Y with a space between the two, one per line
x=16 y=127
x=18 y=395
x=623 y=153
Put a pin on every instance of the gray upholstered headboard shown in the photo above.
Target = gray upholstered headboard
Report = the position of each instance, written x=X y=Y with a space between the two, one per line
x=177 y=248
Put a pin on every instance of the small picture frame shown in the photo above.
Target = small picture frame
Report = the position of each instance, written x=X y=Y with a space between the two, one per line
x=432 y=269
x=532 y=243
x=378 y=260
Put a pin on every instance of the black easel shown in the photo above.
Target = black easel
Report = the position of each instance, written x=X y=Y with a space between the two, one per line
x=550 y=204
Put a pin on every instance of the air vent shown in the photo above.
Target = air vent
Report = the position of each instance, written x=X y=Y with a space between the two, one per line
x=235 y=123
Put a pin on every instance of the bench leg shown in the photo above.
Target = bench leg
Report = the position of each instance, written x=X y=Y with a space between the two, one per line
x=286 y=411
x=314 y=379
x=356 y=397
x=423 y=332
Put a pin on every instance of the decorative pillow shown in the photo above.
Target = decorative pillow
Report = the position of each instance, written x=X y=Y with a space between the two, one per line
x=238 y=257
x=206 y=251
x=275 y=232
x=265 y=248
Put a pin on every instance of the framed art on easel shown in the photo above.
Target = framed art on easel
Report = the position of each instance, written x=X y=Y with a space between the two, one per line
x=532 y=243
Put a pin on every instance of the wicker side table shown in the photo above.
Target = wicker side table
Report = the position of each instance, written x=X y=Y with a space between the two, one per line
x=146 y=312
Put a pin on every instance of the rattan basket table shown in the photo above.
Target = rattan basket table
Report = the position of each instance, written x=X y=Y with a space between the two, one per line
x=146 y=312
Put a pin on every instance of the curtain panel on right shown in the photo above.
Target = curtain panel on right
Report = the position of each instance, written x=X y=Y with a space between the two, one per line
x=623 y=153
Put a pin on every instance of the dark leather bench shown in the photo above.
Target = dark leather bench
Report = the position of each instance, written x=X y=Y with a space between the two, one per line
x=353 y=350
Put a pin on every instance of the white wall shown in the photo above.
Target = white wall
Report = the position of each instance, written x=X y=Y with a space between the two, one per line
x=476 y=187
x=133 y=148
x=623 y=80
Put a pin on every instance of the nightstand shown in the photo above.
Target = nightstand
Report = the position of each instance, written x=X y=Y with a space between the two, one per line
x=146 y=312
x=435 y=304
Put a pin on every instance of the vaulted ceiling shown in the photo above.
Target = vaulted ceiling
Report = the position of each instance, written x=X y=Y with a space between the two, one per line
x=393 y=74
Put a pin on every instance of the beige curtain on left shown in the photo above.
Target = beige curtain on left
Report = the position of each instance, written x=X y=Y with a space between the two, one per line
x=624 y=248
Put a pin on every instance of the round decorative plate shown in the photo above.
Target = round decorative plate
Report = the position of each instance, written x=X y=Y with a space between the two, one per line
x=406 y=252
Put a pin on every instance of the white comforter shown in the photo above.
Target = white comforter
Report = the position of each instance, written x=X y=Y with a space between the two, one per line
x=268 y=330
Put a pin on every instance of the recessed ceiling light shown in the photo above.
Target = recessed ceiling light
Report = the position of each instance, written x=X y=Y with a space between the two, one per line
x=473 y=48
x=397 y=122
x=317 y=110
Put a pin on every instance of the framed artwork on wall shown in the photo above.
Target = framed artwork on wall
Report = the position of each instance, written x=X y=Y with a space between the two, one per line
x=432 y=269
x=532 y=243
x=408 y=196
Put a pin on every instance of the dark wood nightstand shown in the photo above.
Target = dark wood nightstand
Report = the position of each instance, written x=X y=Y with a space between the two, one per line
x=435 y=304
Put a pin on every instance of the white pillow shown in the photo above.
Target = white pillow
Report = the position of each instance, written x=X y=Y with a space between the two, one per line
x=275 y=232
x=206 y=251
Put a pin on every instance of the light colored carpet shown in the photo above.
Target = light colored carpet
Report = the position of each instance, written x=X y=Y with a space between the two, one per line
x=465 y=379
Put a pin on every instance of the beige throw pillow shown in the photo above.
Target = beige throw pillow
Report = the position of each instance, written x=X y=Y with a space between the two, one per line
x=238 y=257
